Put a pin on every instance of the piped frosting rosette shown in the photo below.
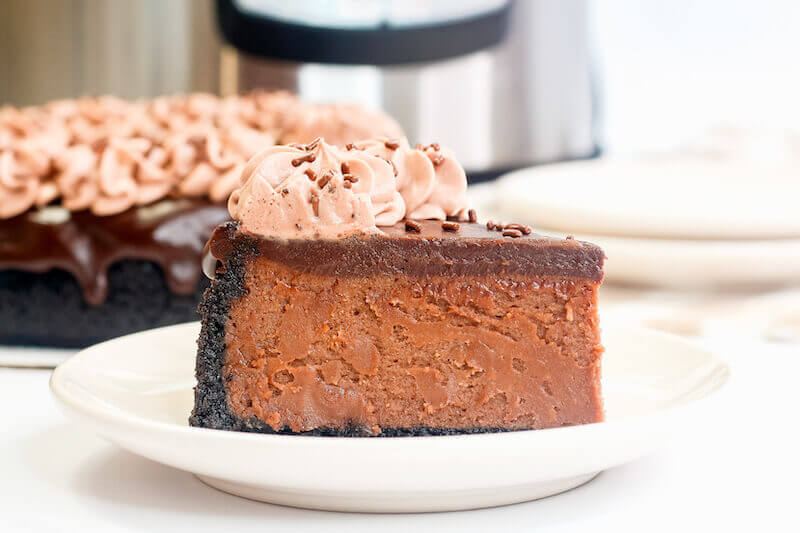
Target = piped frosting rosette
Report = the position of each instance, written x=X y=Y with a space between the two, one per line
x=430 y=180
x=321 y=191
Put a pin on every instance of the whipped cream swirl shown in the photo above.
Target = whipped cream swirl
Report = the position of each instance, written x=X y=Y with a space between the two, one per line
x=322 y=191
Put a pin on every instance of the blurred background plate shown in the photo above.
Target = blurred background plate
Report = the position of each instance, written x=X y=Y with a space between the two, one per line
x=651 y=262
x=659 y=196
x=696 y=264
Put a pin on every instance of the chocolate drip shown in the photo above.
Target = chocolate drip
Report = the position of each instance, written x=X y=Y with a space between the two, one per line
x=170 y=233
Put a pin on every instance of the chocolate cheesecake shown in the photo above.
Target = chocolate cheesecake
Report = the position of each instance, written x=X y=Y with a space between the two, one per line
x=105 y=204
x=354 y=294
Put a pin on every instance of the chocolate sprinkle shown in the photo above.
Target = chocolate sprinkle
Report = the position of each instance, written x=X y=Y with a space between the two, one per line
x=413 y=226
x=472 y=216
x=392 y=145
x=523 y=228
x=512 y=233
x=311 y=174
x=451 y=226
x=345 y=168
x=308 y=158
x=350 y=178
x=306 y=147
x=438 y=160
x=323 y=181
x=347 y=185
x=284 y=191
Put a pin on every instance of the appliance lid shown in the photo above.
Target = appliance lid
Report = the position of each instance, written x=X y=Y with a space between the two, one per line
x=377 y=32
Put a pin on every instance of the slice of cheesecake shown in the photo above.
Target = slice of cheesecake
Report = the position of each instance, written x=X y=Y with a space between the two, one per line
x=416 y=327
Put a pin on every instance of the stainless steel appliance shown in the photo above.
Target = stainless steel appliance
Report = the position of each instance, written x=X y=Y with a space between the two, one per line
x=52 y=49
x=505 y=84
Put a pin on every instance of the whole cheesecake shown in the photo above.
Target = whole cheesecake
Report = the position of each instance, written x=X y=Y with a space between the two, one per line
x=106 y=204
x=354 y=294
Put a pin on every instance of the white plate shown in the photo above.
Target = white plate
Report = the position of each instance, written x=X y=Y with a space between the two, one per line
x=696 y=264
x=137 y=392
x=664 y=197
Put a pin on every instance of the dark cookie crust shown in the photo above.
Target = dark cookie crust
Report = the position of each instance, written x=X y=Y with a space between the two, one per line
x=49 y=309
x=210 y=399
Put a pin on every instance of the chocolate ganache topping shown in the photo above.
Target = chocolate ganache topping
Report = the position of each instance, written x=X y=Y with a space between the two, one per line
x=170 y=233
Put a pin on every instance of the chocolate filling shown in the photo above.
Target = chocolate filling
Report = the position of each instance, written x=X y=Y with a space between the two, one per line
x=398 y=334
x=212 y=409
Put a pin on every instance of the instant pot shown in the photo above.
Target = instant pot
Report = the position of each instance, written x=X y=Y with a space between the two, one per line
x=504 y=84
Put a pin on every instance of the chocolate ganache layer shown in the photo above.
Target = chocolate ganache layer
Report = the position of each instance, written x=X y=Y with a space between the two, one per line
x=428 y=249
x=169 y=233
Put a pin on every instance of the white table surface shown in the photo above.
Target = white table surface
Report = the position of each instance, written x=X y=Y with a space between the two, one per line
x=739 y=468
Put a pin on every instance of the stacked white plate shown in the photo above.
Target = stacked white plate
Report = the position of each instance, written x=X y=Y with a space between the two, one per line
x=668 y=221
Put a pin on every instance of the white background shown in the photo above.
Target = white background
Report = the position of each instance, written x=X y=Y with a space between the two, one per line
x=669 y=70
